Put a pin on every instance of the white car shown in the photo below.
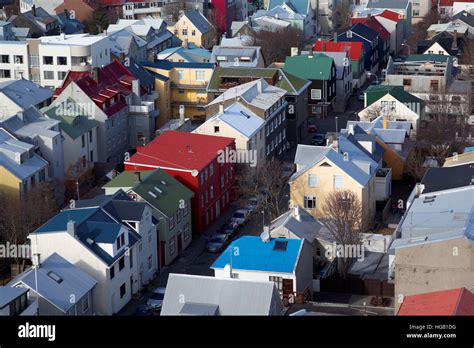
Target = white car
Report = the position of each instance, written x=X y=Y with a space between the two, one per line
x=240 y=217
x=156 y=299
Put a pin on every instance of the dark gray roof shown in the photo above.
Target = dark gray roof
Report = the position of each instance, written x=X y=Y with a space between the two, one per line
x=375 y=265
x=464 y=16
x=137 y=70
x=8 y=294
x=199 y=21
x=388 y=4
x=445 y=178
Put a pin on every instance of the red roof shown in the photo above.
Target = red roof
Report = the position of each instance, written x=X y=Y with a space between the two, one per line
x=393 y=16
x=354 y=48
x=458 y=301
x=180 y=150
x=373 y=24
x=446 y=2
x=115 y=82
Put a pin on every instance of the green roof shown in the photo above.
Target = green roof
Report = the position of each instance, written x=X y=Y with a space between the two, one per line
x=440 y=58
x=290 y=83
x=374 y=93
x=311 y=67
x=74 y=125
x=152 y=182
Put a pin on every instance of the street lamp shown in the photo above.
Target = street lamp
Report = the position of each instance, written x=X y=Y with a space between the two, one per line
x=263 y=218
x=336 y=118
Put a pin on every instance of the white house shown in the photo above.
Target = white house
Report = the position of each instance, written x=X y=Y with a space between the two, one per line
x=111 y=238
x=14 y=62
x=286 y=262
x=59 y=287
x=18 y=95
x=240 y=123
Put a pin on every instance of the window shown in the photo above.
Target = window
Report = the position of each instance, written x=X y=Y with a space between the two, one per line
x=171 y=223
x=62 y=60
x=407 y=82
x=90 y=136
x=416 y=13
x=211 y=169
x=130 y=257
x=123 y=290
x=4 y=58
x=278 y=282
x=187 y=232
x=337 y=181
x=200 y=75
x=121 y=263
x=172 y=244
x=18 y=59
x=185 y=32
x=112 y=272
x=181 y=75
x=48 y=75
x=61 y=75
x=216 y=129
x=193 y=33
x=434 y=85
x=5 y=74
x=202 y=200
x=206 y=173
x=310 y=202
x=179 y=214
x=150 y=262
x=48 y=60
x=312 y=180
x=85 y=303
x=212 y=191
x=316 y=94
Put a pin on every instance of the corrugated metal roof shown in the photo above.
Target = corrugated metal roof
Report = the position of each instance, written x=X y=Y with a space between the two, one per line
x=219 y=296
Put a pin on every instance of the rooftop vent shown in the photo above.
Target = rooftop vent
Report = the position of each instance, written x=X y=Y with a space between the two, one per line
x=163 y=182
x=280 y=245
x=429 y=199
x=55 y=277
x=157 y=189
x=152 y=194
x=89 y=241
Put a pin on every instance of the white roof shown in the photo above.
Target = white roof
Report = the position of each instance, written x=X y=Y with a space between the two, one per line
x=219 y=296
x=241 y=119
x=72 y=40
x=257 y=93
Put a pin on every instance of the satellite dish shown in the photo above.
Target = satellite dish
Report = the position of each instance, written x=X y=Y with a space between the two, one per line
x=194 y=173
x=265 y=236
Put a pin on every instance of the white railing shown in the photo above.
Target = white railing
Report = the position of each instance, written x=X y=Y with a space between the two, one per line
x=144 y=107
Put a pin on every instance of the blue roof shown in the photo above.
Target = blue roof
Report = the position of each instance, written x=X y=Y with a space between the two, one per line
x=469 y=149
x=59 y=222
x=364 y=31
x=199 y=21
x=254 y=254
x=300 y=6
x=167 y=65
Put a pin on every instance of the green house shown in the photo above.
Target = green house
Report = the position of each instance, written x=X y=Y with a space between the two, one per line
x=171 y=207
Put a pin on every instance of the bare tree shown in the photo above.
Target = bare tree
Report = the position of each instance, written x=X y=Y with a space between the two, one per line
x=265 y=182
x=420 y=29
x=174 y=9
x=373 y=111
x=276 y=45
x=343 y=16
x=344 y=218
x=21 y=216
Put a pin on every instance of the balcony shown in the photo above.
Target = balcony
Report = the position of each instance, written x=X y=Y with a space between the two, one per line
x=151 y=97
x=190 y=84
x=383 y=184
x=32 y=308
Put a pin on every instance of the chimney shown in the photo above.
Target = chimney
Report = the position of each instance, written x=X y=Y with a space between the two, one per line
x=221 y=108
x=419 y=188
x=351 y=129
x=137 y=177
x=455 y=40
x=385 y=123
x=228 y=270
x=20 y=115
x=95 y=74
x=335 y=144
x=296 y=212
x=71 y=228
x=66 y=13
x=259 y=86
x=33 y=9
x=136 y=87
x=185 y=43
x=335 y=37
x=294 y=51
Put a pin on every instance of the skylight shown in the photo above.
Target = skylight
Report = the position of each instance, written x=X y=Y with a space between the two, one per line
x=55 y=277
x=280 y=245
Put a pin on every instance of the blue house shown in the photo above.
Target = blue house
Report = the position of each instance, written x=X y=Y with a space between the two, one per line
x=370 y=40
x=286 y=262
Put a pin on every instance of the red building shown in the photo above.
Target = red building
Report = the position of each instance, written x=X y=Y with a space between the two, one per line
x=224 y=13
x=193 y=160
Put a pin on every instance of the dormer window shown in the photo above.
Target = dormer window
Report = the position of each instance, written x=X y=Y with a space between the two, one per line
x=120 y=241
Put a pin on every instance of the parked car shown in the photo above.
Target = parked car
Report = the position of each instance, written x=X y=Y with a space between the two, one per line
x=156 y=299
x=375 y=82
x=319 y=140
x=217 y=243
x=361 y=96
x=240 y=217
x=228 y=228
x=312 y=128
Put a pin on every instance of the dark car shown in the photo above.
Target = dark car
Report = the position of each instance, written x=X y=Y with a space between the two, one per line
x=217 y=243
x=228 y=228
x=319 y=140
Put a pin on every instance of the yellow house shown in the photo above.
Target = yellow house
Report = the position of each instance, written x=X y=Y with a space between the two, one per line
x=392 y=160
x=194 y=28
x=181 y=86
x=320 y=171
x=20 y=168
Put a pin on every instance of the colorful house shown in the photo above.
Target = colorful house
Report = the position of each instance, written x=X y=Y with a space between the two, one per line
x=184 y=84
x=170 y=203
x=195 y=161
x=194 y=28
